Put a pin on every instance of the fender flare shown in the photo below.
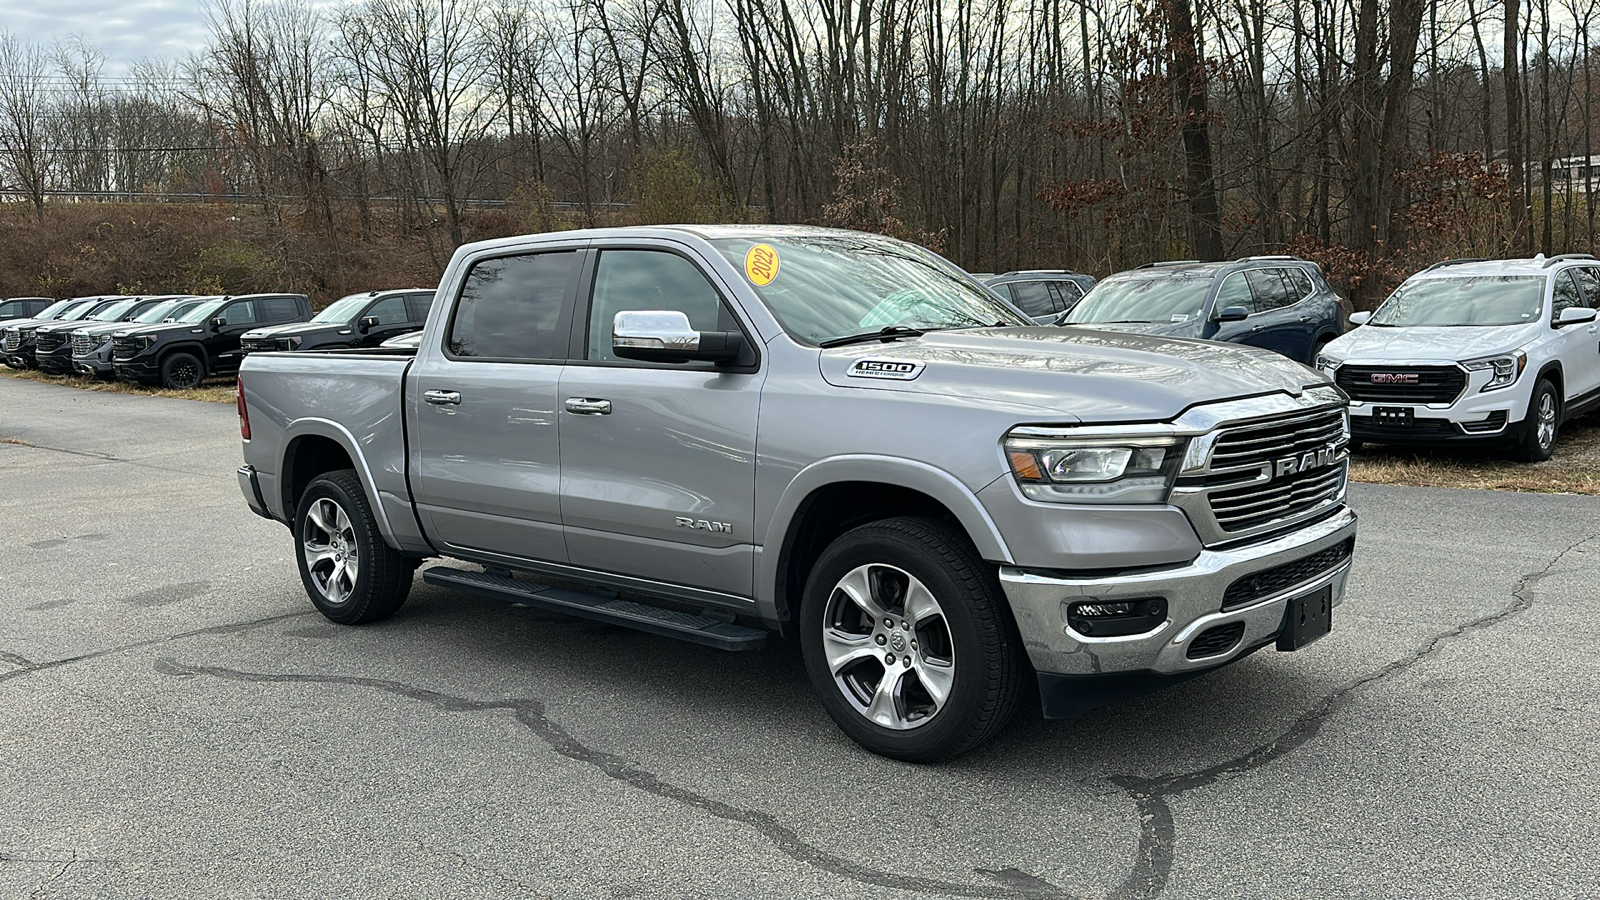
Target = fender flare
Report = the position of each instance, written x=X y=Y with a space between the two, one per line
x=948 y=490
x=195 y=348
x=327 y=428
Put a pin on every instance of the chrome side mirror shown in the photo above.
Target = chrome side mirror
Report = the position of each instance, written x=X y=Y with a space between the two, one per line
x=663 y=335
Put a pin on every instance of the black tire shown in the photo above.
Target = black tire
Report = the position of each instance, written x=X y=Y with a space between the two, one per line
x=978 y=643
x=182 y=371
x=1544 y=409
x=383 y=577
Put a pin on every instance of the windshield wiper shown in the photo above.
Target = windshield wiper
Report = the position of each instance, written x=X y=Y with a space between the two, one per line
x=887 y=333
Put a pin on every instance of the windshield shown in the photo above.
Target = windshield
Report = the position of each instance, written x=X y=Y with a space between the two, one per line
x=54 y=309
x=158 y=312
x=827 y=286
x=202 y=312
x=1144 y=297
x=343 y=309
x=81 y=312
x=1468 y=300
x=114 y=312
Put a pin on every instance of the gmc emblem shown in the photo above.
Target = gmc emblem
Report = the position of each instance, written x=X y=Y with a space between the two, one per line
x=1305 y=462
x=1396 y=378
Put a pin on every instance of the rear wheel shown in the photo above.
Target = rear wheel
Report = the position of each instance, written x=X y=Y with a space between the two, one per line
x=182 y=371
x=1541 y=424
x=909 y=642
x=351 y=575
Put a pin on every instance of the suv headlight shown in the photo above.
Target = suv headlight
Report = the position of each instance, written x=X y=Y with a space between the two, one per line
x=1326 y=363
x=1506 y=368
x=1096 y=470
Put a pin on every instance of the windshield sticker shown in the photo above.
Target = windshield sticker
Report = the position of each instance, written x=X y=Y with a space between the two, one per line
x=892 y=369
x=761 y=264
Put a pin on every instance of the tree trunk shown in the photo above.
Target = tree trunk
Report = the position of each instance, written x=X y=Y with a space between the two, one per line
x=1189 y=74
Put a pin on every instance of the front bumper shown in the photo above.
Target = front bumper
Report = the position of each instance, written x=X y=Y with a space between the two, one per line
x=1194 y=597
x=142 y=369
x=94 y=364
x=55 y=362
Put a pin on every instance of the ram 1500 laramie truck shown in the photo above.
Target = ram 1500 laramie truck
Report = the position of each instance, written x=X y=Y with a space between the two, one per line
x=716 y=433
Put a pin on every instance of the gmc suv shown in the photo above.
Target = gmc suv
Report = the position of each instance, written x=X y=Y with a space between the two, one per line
x=1496 y=351
x=203 y=342
x=718 y=432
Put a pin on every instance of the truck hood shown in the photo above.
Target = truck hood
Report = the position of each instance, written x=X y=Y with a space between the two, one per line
x=52 y=327
x=1396 y=345
x=165 y=329
x=300 y=328
x=105 y=328
x=1069 y=374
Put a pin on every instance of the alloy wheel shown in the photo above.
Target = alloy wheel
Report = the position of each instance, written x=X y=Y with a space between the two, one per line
x=332 y=556
x=888 y=646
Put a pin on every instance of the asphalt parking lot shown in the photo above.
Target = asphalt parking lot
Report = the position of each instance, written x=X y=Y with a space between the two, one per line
x=176 y=721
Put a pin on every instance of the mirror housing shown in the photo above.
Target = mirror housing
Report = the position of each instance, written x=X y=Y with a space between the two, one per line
x=367 y=323
x=1360 y=318
x=1231 y=314
x=660 y=335
x=1575 y=315
x=218 y=323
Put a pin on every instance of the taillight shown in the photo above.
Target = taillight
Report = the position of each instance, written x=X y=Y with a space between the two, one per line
x=244 y=413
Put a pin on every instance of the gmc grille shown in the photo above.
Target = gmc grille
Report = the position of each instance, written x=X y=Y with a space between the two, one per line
x=1402 y=384
x=1256 y=476
x=82 y=344
x=13 y=340
x=48 y=342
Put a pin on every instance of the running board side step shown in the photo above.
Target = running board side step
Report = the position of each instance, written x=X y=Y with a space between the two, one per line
x=708 y=628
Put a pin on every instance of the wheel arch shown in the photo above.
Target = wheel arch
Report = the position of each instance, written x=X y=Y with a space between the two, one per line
x=1552 y=372
x=194 y=348
x=829 y=497
x=312 y=447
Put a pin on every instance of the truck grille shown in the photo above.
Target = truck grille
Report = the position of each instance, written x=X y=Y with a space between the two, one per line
x=1257 y=479
x=82 y=344
x=124 y=347
x=13 y=340
x=48 y=341
x=1402 y=384
x=1251 y=588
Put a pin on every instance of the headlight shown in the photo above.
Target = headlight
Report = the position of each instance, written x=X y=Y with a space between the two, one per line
x=1326 y=363
x=100 y=340
x=146 y=341
x=1507 y=368
x=1097 y=470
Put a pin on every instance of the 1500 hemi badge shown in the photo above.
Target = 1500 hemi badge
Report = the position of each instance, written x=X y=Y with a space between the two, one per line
x=892 y=369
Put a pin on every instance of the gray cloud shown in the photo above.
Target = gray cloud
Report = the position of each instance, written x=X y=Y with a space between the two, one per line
x=126 y=32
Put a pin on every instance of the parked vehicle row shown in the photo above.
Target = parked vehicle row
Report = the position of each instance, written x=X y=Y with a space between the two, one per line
x=177 y=341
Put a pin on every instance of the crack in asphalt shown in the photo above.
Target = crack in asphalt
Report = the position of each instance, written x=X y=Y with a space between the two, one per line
x=532 y=715
x=106 y=457
x=29 y=668
x=1152 y=864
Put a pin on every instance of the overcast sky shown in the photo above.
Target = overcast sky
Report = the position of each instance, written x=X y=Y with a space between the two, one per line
x=126 y=31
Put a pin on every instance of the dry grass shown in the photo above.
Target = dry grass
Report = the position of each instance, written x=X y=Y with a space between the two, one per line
x=218 y=391
x=1574 y=469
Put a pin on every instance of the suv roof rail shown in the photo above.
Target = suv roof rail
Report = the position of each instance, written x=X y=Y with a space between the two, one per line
x=1277 y=256
x=1454 y=262
x=1039 y=272
x=1169 y=262
x=1561 y=256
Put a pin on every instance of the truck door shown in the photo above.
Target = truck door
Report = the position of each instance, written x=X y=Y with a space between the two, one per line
x=482 y=406
x=223 y=344
x=393 y=320
x=658 y=460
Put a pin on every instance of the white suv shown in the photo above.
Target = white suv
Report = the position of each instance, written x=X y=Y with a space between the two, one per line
x=1496 y=350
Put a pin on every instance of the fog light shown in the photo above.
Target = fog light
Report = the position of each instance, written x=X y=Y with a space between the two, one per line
x=1097 y=618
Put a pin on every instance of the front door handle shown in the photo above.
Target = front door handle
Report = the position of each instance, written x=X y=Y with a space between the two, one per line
x=1305 y=318
x=442 y=398
x=1258 y=328
x=585 y=406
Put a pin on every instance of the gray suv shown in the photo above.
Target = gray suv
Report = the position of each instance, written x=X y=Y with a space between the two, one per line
x=717 y=433
x=1043 y=294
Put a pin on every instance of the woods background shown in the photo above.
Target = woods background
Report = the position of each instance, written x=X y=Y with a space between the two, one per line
x=333 y=148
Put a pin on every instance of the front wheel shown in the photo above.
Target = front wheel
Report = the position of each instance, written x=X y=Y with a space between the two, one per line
x=182 y=371
x=1541 y=424
x=351 y=575
x=909 y=642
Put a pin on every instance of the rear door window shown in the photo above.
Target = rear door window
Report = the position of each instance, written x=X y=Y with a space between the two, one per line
x=418 y=306
x=280 y=309
x=1033 y=298
x=514 y=308
x=1268 y=289
x=1301 y=282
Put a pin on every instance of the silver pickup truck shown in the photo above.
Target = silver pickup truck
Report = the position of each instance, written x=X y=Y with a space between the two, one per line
x=717 y=433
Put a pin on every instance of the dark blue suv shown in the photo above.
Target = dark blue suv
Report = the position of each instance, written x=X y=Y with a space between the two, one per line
x=1281 y=303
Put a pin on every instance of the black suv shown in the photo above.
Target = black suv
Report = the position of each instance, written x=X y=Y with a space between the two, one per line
x=53 y=341
x=1043 y=294
x=1280 y=303
x=18 y=338
x=23 y=307
x=203 y=342
x=91 y=344
x=359 y=320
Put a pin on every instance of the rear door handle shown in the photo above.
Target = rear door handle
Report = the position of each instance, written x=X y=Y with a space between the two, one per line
x=442 y=398
x=585 y=406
